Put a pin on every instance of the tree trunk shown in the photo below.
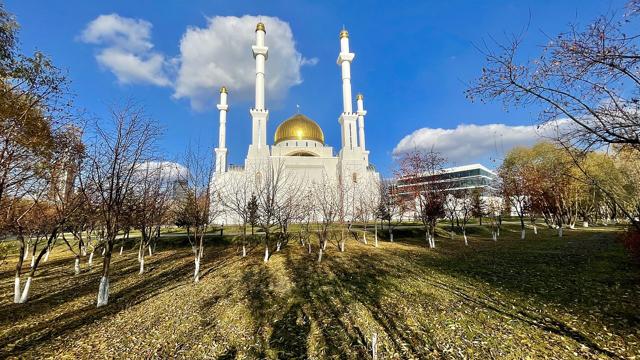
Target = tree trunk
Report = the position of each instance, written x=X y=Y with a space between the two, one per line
x=464 y=235
x=320 y=254
x=90 y=260
x=121 y=246
x=375 y=234
x=196 y=272
x=535 y=229
x=266 y=253
x=522 y=234
x=391 y=234
x=46 y=256
x=244 y=250
x=141 y=266
x=76 y=266
x=16 y=289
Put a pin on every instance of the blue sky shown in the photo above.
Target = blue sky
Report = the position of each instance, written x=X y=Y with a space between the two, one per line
x=413 y=62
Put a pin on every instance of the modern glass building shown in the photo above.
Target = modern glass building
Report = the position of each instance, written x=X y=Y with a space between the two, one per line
x=474 y=176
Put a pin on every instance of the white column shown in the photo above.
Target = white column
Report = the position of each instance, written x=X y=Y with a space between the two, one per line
x=223 y=107
x=361 y=113
x=347 y=119
x=259 y=114
x=221 y=150
x=260 y=54
x=344 y=60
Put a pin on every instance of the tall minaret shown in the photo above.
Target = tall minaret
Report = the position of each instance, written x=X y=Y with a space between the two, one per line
x=259 y=114
x=348 y=118
x=361 y=113
x=221 y=150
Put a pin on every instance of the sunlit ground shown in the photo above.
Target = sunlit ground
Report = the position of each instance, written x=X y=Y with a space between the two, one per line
x=574 y=297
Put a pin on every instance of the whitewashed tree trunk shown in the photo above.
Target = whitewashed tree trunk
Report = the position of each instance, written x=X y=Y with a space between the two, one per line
x=103 y=292
x=535 y=229
x=585 y=224
x=391 y=235
x=309 y=246
x=342 y=245
x=364 y=237
x=464 y=235
x=278 y=245
x=76 y=266
x=84 y=251
x=141 y=266
x=560 y=231
x=150 y=252
x=572 y=226
x=324 y=244
x=25 y=291
x=33 y=260
x=498 y=232
x=375 y=233
x=374 y=346
x=266 y=253
x=104 y=250
x=90 y=260
x=320 y=255
x=522 y=234
x=196 y=272
x=121 y=249
x=244 y=250
x=451 y=234
x=46 y=256
x=493 y=234
x=16 y=290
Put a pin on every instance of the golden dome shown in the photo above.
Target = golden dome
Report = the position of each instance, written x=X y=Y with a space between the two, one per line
x=344 y=34
x=223 y=90
x=260 y=26
x=299 y=127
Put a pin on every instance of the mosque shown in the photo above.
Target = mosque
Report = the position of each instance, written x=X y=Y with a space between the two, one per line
x=299 y=147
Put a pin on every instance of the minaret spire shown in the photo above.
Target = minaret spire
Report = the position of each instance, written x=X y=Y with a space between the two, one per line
x=361 y=113
x=259 y=114
x=221 y=150
x=348 y=118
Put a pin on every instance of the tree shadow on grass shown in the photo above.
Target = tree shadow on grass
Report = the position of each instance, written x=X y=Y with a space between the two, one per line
x=16 y=342
x=329 y=295
x=550 y=276
x=289 y=336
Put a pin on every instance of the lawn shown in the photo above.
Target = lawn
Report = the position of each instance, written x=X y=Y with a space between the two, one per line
x=544 y=297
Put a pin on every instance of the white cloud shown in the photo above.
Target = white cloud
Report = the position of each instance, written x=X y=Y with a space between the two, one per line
x=169 y=170
x=476 y=143
x=212 y=56
x=220 y=54
x=126 y=49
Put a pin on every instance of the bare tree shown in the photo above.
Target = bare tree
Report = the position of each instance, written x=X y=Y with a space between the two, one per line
x=273 y=181
x=150 y=197
x=424 y=184
x=327 y=200
x=198 y=207
x=117 y=151
x=393 y=206
x=238 y=197
x=587 y=81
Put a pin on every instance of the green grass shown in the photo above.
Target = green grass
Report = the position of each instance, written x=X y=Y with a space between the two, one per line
x=544 y=297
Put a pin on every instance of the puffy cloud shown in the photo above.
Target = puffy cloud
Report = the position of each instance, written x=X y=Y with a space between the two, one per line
x=469 y=143
x=168 y=169
x=220 y=54
x=126 y=49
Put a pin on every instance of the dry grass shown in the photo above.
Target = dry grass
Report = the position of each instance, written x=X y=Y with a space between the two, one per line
x=544 y=297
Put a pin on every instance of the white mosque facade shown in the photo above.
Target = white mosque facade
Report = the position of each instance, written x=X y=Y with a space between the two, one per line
x=299 y=153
